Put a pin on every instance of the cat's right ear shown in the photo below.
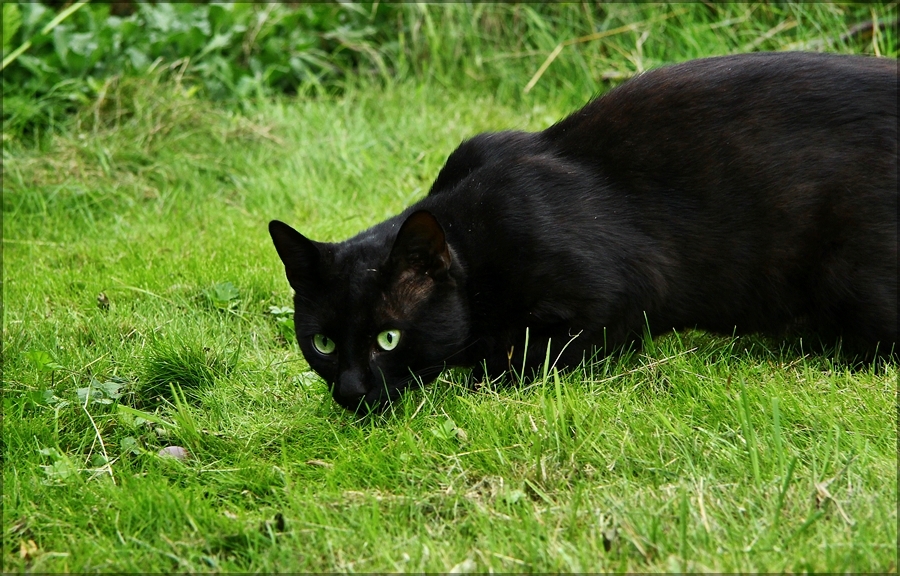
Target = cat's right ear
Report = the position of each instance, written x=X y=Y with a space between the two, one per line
x=299 y=254
x=421 y=246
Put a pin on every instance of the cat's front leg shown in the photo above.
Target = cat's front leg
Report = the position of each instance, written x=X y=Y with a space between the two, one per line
x=520 y=356
x=559 y=346
x=494 y=359
x=492 y=368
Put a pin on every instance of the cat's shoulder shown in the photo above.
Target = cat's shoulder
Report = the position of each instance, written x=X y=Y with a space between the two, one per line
x=487 y=149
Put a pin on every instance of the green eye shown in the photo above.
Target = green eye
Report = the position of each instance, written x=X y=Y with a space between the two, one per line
x=323 y=344
x=389 y=339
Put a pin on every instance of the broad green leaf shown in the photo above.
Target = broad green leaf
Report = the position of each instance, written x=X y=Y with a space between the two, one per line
x=12 y=21
x=513 y=496
x=34 y=15
x=218 y=41
x=280 y=310
x=286 y=327
x=139 y=60
x=130 y=445
x=134 y=414
x=111 y=389
x=223 y=295
x=42 y=360
x=62 y=469
x=446 y=430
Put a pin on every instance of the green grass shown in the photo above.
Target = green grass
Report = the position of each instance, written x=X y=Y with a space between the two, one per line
x=698 y=453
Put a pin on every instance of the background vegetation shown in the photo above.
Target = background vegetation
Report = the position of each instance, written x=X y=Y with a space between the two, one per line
x=235 y=52
x=144 y=308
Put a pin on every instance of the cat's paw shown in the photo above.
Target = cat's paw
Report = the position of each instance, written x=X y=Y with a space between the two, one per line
x=475 y=379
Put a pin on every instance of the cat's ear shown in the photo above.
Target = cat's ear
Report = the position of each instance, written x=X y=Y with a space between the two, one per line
x=299 y=254
x=421 y=246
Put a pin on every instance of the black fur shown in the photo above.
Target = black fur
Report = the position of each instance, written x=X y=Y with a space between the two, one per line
x=754 y=193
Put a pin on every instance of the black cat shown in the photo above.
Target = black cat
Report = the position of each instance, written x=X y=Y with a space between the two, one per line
x=755 y=192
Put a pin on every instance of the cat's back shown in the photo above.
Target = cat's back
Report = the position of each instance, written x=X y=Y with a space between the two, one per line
x=741 y=84
x=747 y=147
x=766 y=78
x=695 y=119
x=769 y=182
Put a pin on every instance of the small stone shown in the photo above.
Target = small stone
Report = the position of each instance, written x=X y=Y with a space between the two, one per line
x=465 y=567
x=176 y=452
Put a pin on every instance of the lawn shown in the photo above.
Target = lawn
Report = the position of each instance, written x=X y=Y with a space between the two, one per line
x=144 y=307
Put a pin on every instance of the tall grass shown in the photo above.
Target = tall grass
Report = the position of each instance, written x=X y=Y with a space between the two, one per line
x=237 y=53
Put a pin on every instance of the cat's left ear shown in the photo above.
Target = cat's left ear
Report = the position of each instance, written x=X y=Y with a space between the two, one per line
x=421 y=246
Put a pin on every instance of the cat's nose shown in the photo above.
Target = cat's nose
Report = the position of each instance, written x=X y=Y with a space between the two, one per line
x=351 y=385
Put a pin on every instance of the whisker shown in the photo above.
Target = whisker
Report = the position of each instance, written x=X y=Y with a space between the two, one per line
x=461 y=350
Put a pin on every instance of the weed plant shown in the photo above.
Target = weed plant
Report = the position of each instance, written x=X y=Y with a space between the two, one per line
x=144 y=307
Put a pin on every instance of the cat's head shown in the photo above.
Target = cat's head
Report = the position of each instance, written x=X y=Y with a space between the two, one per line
x=379 y=312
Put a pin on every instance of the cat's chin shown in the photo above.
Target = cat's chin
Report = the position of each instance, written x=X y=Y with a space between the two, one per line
x=374 y=401
x=354 y=404
x=377 y=400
